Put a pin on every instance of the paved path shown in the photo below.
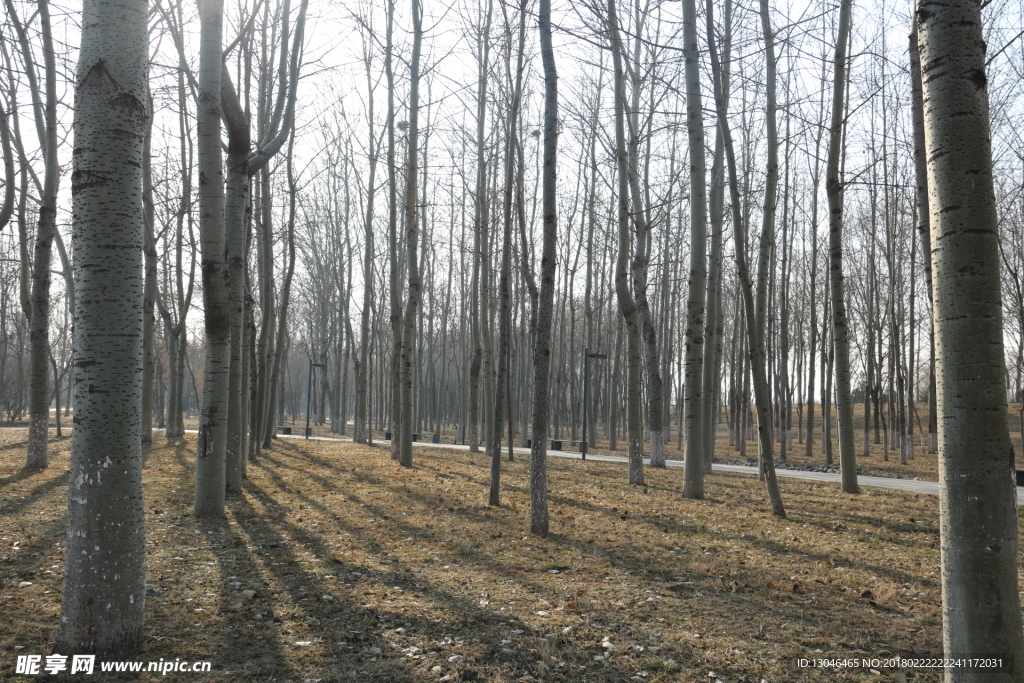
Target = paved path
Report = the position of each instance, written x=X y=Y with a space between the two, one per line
x=912 y=485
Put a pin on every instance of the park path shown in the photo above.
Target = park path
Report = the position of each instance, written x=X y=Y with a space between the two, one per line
x=912 y=485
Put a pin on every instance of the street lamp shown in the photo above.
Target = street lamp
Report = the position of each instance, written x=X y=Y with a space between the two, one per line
x=587 y=355
x=309 y=390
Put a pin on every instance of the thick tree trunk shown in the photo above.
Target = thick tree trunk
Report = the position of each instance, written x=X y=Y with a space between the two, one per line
x=106 y=522
x=213 y=422
x=149 y=302
x=977 y=506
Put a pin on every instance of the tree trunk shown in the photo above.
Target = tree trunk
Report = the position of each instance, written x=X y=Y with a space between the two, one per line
x=755 y=339
x=627 y=305
x=545 y=303
x=923 y=219
x=840 y=326
x=394 y=288
x=39 y=321
x=411 y=244
x=697 y=289
x=211 y=454
x=149 y=302
x=713 y=326
x=106 y=521
x=502 y=394
x=977 y=506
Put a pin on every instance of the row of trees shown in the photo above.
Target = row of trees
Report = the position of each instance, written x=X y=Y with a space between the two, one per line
x=140 y=231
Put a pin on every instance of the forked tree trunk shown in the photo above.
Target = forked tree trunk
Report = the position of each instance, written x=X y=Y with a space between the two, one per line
x=106 y=523
x=627 y=305
x=755 y=340
x=977 y=506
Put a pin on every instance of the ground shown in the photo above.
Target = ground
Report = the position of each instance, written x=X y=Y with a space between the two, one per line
x=334 y=564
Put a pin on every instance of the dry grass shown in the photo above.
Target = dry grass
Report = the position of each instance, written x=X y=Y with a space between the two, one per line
x=364 y=571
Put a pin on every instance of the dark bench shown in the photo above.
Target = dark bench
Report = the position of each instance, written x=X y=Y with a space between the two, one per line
x=415 y=437
x=1020 y=477
x=284 y=430
x=555 y=444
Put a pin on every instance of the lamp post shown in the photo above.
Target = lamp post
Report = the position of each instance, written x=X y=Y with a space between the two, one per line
x=587 y=355
x=309 y=390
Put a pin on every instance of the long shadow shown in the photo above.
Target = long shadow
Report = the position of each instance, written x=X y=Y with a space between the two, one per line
x=20 y=475
x=253 y=644
x=468 y=613
x=286 y=568
x=13 y=507
x=622 y=558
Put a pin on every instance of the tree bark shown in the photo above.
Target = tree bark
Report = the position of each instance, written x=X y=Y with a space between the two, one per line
x=502 y=395
x=697 y=289
x=923 y=218
x=840 y=326
x=106 y=521
x=212 y=448
x=755 y=340
x=39 y=321
x=412 y=303
x=977 y=506
x=627 y=304
x=539 y=523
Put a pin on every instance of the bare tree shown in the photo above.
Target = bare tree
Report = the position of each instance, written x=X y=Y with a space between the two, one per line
x=840 y=325
x=693 y=387
x=539 y=523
